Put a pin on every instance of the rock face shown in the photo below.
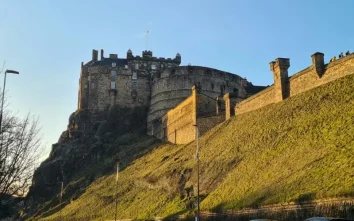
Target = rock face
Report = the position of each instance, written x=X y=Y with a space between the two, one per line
x=89 y=138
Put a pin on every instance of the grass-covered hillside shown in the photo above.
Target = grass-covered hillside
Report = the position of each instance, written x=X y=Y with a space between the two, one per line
x=299 y=149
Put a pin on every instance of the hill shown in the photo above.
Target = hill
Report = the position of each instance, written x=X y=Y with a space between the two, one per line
x=298 y=149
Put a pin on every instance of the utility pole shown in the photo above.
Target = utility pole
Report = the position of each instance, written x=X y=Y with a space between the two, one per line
x=197 y=218
x=3 y=161
x=61 y=196
x=116 y=193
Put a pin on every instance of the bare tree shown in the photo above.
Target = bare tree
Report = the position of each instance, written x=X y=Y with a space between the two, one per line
x=19 y=149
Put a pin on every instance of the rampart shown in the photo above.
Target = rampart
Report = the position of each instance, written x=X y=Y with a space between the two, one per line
x=313 y=76
x=178 y=125
x=172 y=86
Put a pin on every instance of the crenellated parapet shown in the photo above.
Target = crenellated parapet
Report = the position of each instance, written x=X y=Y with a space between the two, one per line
x=147 y=56
x=155 y=85
x=317 y=74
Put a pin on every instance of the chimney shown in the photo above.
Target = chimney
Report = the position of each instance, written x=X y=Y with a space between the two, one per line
x=94 y=55
x=279 y=67
x=102 y=54
x=318 y=63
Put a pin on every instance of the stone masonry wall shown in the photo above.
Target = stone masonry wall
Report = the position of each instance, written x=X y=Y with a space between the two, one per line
x=177 y=125
x=230 y=100
x=100 y=83
x=207 y=123
x=307 y=79
x=256 y=101
x=173 y=85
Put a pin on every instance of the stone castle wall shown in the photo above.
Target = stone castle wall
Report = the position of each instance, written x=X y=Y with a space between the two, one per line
x=177 y=125
x=172 y=86
x=315 y=75
x=158 y=85
x=119 y=81
x=309 y=78
x=256 y=101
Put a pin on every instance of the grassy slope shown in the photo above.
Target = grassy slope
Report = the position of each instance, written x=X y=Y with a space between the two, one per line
x=301 y=148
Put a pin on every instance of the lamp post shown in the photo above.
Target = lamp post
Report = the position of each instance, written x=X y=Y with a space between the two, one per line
x=197 y=218
x=61 y=197
x=3 y=161
x=3 y=94
x=116 y=199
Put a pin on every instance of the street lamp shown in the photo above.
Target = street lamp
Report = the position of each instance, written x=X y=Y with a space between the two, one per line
x=3 y=94
x=61 y=197
x=1 y=114
x=116 y=195
x=197 y=218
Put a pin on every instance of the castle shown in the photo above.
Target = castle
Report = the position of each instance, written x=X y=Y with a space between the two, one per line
x=156 y=85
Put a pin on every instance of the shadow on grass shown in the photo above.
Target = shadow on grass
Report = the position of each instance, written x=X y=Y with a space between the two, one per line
x=124 y=149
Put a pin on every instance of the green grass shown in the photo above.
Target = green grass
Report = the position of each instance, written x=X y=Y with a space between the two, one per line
x=299 y=149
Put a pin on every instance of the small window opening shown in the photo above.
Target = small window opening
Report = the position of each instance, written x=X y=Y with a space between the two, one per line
x=134 y=85
x=113 y=85
x=135 y=76
x=113 y=74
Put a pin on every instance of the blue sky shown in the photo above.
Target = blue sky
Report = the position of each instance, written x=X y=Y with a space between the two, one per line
x=47 y=40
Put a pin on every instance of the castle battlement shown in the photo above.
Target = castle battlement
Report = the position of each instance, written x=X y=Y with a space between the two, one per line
x=147 y=56
x=284 y=86
x=196 y=70
x=154 y=84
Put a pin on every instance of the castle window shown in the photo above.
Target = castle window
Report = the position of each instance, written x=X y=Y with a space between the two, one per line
x=136 y=66
x=113 y=75
x=114 y=64
x=113 y=85
x=92 y=85
x=134 y=85
x=153 y=67
x=135 y=76
x=212 y=86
